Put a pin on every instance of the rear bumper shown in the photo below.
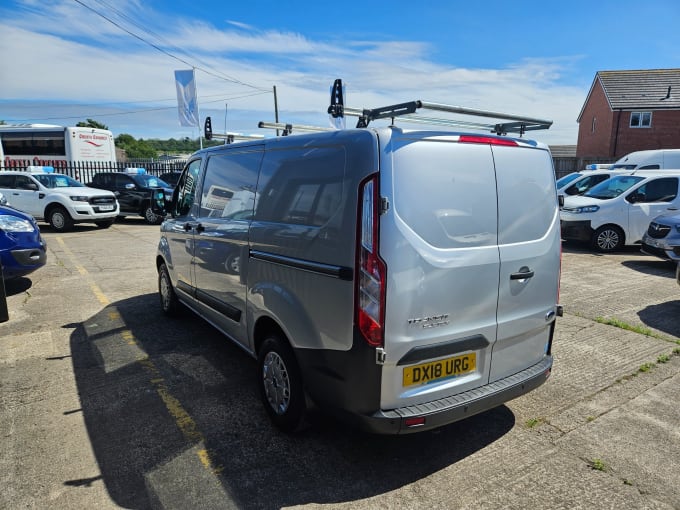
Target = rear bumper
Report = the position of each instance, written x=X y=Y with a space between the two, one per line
x=576 y=230
x=457 y=407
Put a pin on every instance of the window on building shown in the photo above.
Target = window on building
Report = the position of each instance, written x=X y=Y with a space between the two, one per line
x=640 y=119
x=592 y=126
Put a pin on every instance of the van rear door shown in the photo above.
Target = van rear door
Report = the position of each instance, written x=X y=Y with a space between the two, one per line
x=529 y=246
x=439 y=240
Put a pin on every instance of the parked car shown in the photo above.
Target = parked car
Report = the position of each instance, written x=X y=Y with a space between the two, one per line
x=662 y=238
x=398 y=304
x=57 y=199
x=22 y=249
x=3 y=200
x=618 y=211
x=171 y=178
x=135 y=190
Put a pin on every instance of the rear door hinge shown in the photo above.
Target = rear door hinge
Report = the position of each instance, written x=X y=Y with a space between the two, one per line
x=384 y=205
x=380 y=356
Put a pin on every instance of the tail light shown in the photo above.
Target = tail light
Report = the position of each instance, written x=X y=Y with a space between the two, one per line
x=491 y=140
x=371 y=271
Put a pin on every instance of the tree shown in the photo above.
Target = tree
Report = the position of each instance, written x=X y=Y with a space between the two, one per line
x=135 y=148
x=92 y=124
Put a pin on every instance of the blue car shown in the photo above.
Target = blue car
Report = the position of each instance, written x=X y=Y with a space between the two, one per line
x=22 y=249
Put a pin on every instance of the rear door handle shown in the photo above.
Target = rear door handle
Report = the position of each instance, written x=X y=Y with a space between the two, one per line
x=522 y=274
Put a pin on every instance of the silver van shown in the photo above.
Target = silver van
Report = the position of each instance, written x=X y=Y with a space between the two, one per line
x=400 y=280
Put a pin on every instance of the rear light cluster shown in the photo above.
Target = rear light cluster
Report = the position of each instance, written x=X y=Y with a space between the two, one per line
x=370 y=300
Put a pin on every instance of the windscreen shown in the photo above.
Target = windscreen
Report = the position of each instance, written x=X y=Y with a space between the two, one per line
x=612 y=188
x=58 y=181
x=563 y=181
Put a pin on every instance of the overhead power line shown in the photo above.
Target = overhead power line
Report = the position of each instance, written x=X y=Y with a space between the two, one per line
x=130 y=112
x=162 y=50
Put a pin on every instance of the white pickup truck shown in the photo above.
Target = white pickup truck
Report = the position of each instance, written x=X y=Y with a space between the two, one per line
x=58 y=199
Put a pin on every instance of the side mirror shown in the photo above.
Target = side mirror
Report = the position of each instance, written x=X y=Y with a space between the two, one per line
x=560 y=200
x=130 y=186
x=32 y=186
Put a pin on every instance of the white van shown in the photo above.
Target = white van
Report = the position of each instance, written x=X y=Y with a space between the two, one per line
x=400 y=280
x=585 y=180
x=618 y=211
x=657 y=159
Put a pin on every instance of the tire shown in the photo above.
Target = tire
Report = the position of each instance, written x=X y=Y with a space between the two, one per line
x=169 y=301
x=607 y=238
x=151 y=217
x=104 y=223
x=280 y=384
x=59 y=219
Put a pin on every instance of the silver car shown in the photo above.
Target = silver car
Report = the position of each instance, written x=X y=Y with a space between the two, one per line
x=662 y=238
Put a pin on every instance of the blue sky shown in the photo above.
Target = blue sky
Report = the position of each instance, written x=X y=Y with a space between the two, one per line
x=113 y=60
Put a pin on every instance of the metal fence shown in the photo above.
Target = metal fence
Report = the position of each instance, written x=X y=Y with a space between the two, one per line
x=83 y=171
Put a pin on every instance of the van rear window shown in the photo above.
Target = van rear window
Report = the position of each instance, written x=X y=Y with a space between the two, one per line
x=446 y=192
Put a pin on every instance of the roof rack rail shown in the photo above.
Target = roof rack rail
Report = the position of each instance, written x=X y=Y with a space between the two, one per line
x=289 y=128
x=227 y=137
x=520 y=124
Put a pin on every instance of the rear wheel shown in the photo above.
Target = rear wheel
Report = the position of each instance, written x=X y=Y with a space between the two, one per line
x=607 y=238
x=169 y=301
x=59 y=219
x=151 y=217
x=280 y=384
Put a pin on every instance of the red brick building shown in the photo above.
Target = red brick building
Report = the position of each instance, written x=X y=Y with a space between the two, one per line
x=626 y=111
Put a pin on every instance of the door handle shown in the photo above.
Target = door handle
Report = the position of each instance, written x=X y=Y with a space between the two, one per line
x=522 y=274
x=200 y=228
x=187 y=227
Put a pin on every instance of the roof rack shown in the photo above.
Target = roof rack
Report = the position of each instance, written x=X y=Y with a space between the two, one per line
x=520 y=124
x=406 y=112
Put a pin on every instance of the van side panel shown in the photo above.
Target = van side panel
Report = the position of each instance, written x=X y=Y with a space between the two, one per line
x=529 y=243
x=303 y=236
x=439 y=241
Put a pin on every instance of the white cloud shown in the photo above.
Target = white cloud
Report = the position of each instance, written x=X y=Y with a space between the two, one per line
x=104 y=66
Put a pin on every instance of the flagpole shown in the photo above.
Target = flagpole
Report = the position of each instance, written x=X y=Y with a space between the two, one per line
x=198 y=110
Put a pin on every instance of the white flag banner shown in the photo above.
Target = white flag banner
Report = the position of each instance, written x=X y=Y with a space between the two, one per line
x=187 y=104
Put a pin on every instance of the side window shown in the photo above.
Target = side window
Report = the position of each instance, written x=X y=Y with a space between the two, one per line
x=6 y=181
x=302 y=187
x=121 y=180
x=186 y=188
x=664 y=189
x=649 y=167
x=23 y=182
x=228 y=189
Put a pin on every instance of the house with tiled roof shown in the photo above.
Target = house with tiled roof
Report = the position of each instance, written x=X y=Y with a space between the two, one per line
x=626 y=111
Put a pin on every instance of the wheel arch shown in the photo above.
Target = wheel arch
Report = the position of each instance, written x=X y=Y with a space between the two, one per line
x=266 y=327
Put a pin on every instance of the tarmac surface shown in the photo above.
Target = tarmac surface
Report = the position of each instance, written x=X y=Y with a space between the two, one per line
x=104 y=403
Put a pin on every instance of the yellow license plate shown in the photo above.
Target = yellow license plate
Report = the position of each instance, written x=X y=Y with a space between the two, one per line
x=426 y=373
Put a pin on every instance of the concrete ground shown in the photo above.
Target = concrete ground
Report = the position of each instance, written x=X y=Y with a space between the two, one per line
x=106 y=404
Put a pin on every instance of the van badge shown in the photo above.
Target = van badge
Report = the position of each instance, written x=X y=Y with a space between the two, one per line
x=431 y=321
